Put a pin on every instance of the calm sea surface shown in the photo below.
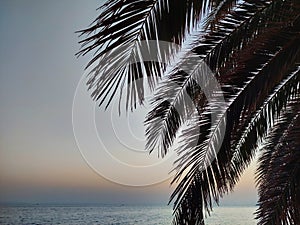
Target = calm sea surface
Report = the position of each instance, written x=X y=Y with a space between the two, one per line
x=115 y=214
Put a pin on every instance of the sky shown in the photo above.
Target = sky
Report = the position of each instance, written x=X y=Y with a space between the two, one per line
x=41 y=160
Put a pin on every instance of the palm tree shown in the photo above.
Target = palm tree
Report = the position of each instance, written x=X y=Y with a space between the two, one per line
x=252 y=46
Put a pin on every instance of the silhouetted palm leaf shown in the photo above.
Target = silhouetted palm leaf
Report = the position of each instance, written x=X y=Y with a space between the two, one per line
x=279 y=170
x=270 y=62
x=253 y=48
x=116 y=35
x=210 y=184
x=215 y=48
x=219 y=12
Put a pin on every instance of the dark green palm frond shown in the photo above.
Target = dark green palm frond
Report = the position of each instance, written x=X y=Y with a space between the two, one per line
x=237 y=30
x=115 y=38
x=275 y=63
x=279 y=170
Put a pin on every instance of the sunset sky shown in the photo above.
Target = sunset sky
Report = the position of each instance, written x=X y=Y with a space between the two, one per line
x=39 y=157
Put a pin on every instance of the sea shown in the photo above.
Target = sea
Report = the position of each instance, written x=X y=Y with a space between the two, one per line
x=34 y=214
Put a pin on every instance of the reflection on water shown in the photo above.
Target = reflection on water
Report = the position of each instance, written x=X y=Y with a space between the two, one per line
x=115 y=214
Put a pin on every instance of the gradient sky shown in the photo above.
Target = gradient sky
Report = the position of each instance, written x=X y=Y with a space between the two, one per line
x=39 y=158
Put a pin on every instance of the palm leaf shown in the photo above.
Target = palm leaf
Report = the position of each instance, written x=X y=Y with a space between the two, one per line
x=279 y=170
x=214 y=49
x=262 y=121
x=220 y=177
x=175 y=104
x=254 y=84
x=219 y=12
x=116 y=35
x=253 y=47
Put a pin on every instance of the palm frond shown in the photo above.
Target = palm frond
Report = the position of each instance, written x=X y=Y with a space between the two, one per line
x=219 y=12
x=223 y=174
x=253 y=48
x=279 y=170
x=253 y=83
x=174 y=104
x=189 y=207
x=236 y=30
x=240 y=27
x=116 y=35
x=262 y=121
x=275 y=64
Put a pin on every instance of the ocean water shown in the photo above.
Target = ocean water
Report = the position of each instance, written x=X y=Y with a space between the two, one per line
x=114 y=214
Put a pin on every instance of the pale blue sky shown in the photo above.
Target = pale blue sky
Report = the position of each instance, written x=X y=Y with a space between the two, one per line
x=39 y=159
